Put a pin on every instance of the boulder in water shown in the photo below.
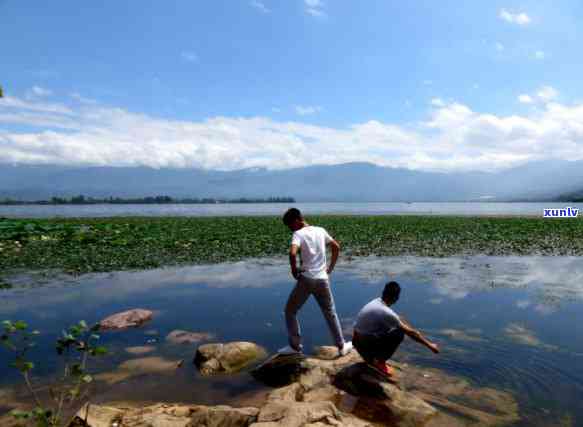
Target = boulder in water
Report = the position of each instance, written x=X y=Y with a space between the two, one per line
x=185 y=337
x=127 y=319
x=218 y=358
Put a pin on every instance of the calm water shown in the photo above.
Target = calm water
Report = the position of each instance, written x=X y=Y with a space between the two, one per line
x=511 y=323
x=520 y=209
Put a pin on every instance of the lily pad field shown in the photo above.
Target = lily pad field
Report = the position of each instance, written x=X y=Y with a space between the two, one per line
x=111 y=244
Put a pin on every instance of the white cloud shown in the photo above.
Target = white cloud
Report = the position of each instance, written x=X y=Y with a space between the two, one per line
x=37 y=91
x=453 y=137
x=77 y=97
x=520 y=18
x=189 y=56
x=315 y=8
x=16 y=103
x=437 y=102
x=544 y=95
x=307 y=110
x=260 y=6
x=539 y=54
x=499 y=47
x=547 y=93
x=316 y=12
x=314 y=3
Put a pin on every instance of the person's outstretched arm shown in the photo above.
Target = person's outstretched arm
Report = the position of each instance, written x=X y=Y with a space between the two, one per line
x=293 y=261
x=335 y=246
x=415 y=335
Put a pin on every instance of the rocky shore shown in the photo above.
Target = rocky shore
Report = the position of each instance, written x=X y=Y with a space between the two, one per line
x=322 y=391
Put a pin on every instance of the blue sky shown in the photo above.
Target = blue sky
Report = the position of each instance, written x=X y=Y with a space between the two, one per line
x=228 y=83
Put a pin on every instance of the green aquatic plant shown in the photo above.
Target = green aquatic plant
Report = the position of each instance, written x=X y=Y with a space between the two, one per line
x=71 y=391
x=81 y=245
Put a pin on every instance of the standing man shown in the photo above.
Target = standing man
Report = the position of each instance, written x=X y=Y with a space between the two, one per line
x=312 y=279
x=379 y=331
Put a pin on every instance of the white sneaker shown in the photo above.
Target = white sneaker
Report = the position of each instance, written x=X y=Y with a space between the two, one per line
x=288 y=350
x=347 y=348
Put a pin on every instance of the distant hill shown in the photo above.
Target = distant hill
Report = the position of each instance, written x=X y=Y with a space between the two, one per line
x=346 y=182
x=575 y=196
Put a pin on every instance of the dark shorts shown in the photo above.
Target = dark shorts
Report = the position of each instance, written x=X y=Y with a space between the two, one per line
x=379 y=346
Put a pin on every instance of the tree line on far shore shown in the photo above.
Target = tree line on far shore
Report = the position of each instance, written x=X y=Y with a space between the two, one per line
x=151 y=200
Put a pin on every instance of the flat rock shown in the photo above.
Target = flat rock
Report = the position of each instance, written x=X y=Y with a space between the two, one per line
x=223 y=416
x=140 y=350
x=127 y=319
x=326 y=352
x=300 y=414
x=167 y=415
x=140 y=366
x=185 y=337
x=212 y=359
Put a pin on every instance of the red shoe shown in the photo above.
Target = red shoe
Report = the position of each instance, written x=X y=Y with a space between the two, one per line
x=383 y=368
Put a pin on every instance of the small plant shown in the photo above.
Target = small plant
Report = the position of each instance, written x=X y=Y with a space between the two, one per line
x=72 y=389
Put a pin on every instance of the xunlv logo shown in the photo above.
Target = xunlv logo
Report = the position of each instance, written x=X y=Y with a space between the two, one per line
x=561 y=213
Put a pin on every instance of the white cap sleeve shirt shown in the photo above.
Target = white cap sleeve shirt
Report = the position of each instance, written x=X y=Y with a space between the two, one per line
x=312 y=243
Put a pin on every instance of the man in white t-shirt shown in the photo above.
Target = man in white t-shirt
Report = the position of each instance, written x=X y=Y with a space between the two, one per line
x=312 y=279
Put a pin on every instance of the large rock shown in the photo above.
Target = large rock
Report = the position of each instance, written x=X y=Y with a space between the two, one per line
x=354 y=388
x=126 y=319
x=98 y=416
x=220 y=358
x=338 y=392
x=165 y=415
x=383 y=399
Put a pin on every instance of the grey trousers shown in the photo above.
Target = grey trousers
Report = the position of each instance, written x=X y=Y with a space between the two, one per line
x=320 y=288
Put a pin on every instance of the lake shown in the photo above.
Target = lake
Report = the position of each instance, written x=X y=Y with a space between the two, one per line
x=510 y=323
x=257 y=209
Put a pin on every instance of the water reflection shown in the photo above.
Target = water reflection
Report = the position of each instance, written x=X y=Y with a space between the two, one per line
x=551 y=279
x=503 y=322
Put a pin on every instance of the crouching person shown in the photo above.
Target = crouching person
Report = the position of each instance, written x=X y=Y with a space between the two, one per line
x=379 y=331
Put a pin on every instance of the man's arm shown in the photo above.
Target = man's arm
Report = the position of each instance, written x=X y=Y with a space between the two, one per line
x=335 y=246
x=415 y=335
x=293 y=261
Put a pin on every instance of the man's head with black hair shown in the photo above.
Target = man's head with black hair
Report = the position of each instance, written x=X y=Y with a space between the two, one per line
x=391 y=292
x=293 y=219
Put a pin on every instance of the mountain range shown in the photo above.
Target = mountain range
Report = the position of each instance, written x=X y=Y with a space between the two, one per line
x=349 y=182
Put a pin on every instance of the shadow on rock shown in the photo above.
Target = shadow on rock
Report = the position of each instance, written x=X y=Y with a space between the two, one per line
x=280 y=370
